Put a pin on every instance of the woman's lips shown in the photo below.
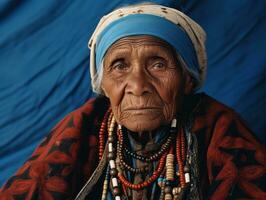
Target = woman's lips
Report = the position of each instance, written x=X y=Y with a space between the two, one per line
x=141 y=108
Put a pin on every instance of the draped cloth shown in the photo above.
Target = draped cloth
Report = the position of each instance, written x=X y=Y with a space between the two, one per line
x=44 y=63
x=232 y=161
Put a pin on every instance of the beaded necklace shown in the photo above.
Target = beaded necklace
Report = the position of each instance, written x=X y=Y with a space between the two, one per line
x=171 y=158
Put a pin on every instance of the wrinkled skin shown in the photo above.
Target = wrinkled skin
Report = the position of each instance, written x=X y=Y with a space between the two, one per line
x=144 y=82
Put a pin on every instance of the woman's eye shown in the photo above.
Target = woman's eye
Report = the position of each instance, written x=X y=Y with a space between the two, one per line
x=119 y=66
x=158 y=65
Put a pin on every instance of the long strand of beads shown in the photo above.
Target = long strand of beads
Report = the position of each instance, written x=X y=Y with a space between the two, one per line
x=168 y=191
x=183 y=154
x=179 y=159
x=111 y=158
x=105 y=184
x=124 y=188
x=115 y=171
x=124 y=165
x=154 y=157
x=170 y=171
x=154 y=175
x=183 y=143
x=170 y=167
x=169 y=174
x=162 y=191
x=102 y=133
x=146 y=183
x=161 y=181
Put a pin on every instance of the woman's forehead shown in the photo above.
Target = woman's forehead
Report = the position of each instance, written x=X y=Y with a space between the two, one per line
x=140 y=41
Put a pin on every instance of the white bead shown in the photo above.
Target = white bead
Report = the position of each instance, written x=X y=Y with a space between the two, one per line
x=187 y=177
x=114 y=182
x=174 y=122
x=119 y=127
x=112 y=164
x=117 y=198
x=110 y=147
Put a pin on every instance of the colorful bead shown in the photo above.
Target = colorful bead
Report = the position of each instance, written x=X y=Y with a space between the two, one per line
x=160 y=181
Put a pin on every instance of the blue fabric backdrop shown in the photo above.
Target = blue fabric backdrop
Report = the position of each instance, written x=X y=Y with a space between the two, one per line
x=44 y=63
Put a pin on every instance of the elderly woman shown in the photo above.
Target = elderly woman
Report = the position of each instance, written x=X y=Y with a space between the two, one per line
x=148 y=135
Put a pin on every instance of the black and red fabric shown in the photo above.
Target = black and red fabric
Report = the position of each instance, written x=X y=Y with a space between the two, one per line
x=232 y=161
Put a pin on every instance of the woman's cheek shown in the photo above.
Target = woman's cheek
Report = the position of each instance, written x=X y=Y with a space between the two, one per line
x=113 y=89
x=172 y=95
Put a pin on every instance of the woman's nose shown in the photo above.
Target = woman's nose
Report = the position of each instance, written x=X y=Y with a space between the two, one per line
x=138 y=83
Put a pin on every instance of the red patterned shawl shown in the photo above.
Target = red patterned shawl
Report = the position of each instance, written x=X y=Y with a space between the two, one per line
x=232 y=161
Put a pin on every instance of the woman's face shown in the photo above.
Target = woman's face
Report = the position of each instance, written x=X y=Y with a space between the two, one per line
x=143 y=81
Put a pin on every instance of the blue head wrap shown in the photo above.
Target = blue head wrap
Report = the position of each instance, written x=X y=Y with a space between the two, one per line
x=147 y=24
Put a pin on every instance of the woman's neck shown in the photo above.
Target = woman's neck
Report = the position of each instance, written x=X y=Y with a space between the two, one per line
x=148 y=141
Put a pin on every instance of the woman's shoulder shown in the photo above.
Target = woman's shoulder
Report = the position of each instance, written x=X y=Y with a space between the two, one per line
x=211 y=117
x=209 y=105
x=209 y=110
x=58 y=158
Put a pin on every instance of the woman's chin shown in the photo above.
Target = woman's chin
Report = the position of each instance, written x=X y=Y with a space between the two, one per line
x=141 y=125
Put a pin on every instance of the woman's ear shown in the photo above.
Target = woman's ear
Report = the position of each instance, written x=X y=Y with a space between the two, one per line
x=189 y=84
